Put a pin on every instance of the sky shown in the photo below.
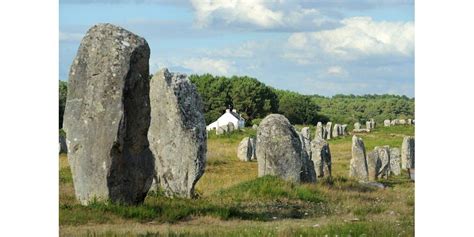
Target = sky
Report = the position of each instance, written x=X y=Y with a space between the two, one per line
x=323 y=47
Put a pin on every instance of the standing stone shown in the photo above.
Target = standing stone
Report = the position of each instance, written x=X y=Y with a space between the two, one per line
x=319 y=131
x=402 y=122
x=328 y=130
x=308 y=174
x=344 y=129
x=278 y=149
x=394 y=122
x=372 y=123
x=357 y=126
x=253 y=147
x=358 y=164
x=368 y=125
x=220 y=130
x=177 y=133
x=383 y=161
x=62 y=145
x=386 y=123
x=372 y=159
x=254 y=127
x=409 y=122
x=336 y=130
x=230 y=127
x=408 y=153
x=321 y=157
x=107 y=117
x=244 y=150
x=395 y=161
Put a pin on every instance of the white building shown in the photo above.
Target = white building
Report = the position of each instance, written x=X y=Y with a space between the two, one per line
x=226 y=118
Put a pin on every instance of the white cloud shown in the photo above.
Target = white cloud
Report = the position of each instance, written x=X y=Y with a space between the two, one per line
x=336 y=71
x=208 y=65
x=358 y=37
x=262 y=14
x=63 y=36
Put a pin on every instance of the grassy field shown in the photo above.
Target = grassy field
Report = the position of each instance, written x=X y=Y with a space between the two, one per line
x=233 y=201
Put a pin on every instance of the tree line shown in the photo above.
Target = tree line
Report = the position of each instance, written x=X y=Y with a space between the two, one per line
x=254 y=100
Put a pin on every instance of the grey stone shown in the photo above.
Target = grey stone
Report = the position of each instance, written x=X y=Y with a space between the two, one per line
x=321 y=157
x=358 y=163
x=361 y=130
x=368 y=125
x=409 y=122
x=402 y=121
x=328 y=130
x=372 y=123
x=383 y=161
x=386 y=123
x=230 y=127
x=319 y=130
x=357 y=126
x=254 y=127
x=62 y=145
x=307 y=173
x=253 y=144
x=177 y=133
x=344 y=129
x=279 y=149
x=395 y=161
x=372 y=159
x=244 y=150
x=408 y=153
x=107 y=117
x=336 y=131
x=221 y=130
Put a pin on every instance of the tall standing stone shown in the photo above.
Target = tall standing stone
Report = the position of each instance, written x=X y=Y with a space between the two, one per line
x=62 y=144
x=368 y=125
x=230 y=127
x=395 y=161
x=328 y=130
x=372 y=165
x=402 y=121
x=308 y=174
x=319 y=131
x=220 y=130
x=321 y=157
x=279 y=149
x=177 y=133
x=386 y=123
x=244 y=150
x=253 y=146
x=409 y=122
x=336 y=131
x=408 y=153
x=107 y=117
x=344 y=129
x=372 y=123
x=358 y=164
x=383 y=161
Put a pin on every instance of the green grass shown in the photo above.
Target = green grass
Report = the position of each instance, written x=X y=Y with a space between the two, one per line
x=233 y=201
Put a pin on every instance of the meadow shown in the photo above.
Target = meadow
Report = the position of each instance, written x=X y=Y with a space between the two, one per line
x=233 y=201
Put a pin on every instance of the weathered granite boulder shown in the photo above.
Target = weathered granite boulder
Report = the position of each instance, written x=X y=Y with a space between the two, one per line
x=328 y=130
x=395 y=161
x=357 y=126
x=107 y=117
x=319 y=131
x=386 y=123
x=244 y=150
x=383 y=161
x=221 y=130
x=344 y=129
x=336 y=130
x=279 y=149
x=321 y=157
x=358 y=164
x=177 y=133
x=230 y=127
x=62 y=145
x=408 y=153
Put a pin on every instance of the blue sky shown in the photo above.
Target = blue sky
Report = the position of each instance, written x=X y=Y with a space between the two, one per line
x=321 y=47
